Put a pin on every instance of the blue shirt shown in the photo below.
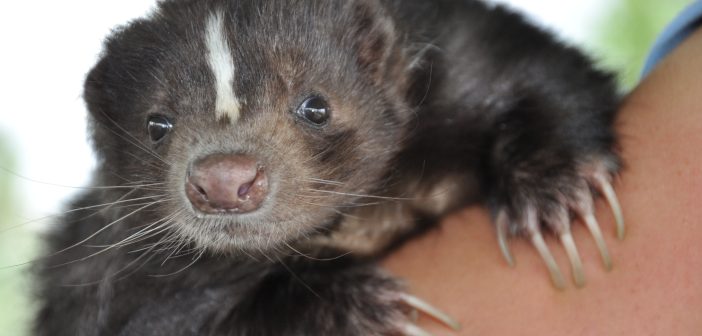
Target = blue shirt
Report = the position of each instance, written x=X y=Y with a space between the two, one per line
x=676 y=32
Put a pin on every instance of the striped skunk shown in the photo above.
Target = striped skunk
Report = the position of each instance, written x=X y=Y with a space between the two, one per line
x=256 y=158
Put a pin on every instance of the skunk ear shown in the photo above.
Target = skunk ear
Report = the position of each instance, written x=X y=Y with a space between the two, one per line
x=96 y=93
x=374 y=38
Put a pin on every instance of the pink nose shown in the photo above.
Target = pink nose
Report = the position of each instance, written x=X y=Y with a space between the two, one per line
x=226 y=183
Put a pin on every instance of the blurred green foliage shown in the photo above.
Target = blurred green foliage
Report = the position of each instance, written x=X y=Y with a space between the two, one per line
x=627 y=31
x=17 y=245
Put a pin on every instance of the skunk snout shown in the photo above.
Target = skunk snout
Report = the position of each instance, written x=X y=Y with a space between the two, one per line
x=226 y=183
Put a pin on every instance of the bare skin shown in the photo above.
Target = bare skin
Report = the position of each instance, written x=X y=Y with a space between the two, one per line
x=655 y=287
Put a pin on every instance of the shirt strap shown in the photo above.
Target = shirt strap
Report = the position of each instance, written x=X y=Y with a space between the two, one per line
x=676 y=32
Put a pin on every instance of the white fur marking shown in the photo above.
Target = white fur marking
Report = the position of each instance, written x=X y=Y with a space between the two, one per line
x=222 y=64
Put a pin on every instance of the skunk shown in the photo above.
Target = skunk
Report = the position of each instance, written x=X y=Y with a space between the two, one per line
x=257 y=158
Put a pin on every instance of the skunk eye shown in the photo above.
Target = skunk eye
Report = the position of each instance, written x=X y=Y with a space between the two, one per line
x=158 y=127
x=315 y=110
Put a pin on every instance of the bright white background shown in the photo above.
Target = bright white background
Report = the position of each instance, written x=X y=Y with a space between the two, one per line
x=47 y=47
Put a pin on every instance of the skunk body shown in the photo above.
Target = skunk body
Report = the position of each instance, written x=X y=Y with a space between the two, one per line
x=257 y=157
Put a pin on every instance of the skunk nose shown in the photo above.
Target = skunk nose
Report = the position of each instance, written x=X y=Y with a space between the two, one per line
x=226 y=183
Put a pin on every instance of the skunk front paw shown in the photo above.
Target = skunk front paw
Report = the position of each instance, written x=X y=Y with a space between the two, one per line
x=531 y=203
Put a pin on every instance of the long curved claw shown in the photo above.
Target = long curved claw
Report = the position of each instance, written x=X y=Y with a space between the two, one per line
x=502 y=227
x=611 y=197
x=413 y=330
x=426 y=308
x=574 y=257
x=594 y=228
x=538 y=241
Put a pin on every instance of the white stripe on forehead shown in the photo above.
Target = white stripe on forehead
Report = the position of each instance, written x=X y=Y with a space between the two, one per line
x=222 y=65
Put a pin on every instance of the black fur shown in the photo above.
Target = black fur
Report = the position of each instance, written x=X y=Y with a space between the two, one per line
x=436 y=104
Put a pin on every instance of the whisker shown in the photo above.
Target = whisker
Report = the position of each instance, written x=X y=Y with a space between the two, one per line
x=75 y=187
x=363 y=195
x=97 y=282
x=321 y=181
x=175 y=251
x=134 y=141
x=145 y=162
x=95 y=234
x=166 y=239
x=195 y=260
x=313 y=258
x=148 y=231
x=298 y=279
x=76 y=210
